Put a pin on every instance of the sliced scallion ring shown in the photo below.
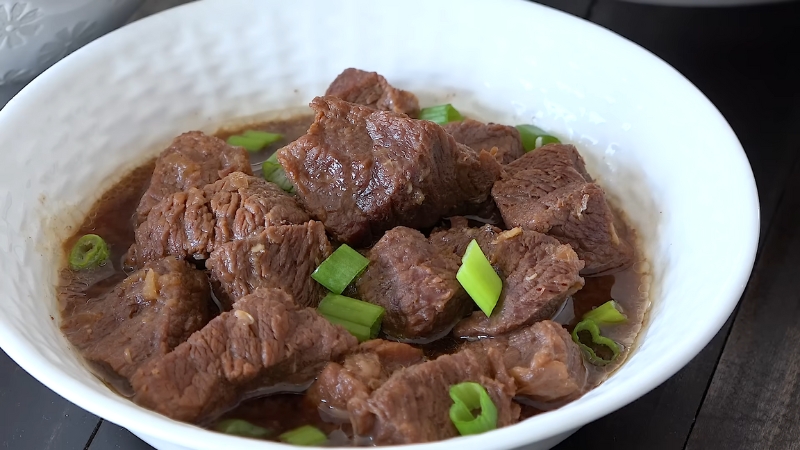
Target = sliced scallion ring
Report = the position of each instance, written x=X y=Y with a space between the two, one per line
x=468 y=397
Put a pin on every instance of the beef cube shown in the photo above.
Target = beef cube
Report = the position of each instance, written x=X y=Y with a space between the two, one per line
x=547 y=366
x=413 y=405
x=538 y=274
x=362 y=172
x=146 y=315
x=245 y=205
x=488 y=136
x=281 y=256
x=266 y=342
x=193 y=160
x=371 y=89
x=195 y=222
x=549 y=191
x=456 y=238
x=416 y=284
x=363 y=371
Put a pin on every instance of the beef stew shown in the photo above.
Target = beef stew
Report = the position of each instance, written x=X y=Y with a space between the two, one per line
x=206 y=306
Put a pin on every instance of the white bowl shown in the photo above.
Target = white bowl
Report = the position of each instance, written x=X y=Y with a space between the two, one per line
x=35 y=34
x=657 y=145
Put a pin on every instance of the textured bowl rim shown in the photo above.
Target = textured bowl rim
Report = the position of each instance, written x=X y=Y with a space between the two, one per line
x=149 y=424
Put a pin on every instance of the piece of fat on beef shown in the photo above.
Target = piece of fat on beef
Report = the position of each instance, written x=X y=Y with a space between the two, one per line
x=538 y=274
x=371 y=89
x=146 y=315
x=361 y=372
x=192 y=223
x=413 y=405
x=549 y=191
x=192 y=160
x=362 y=172
x=281 y=256
x=547 y=366
x=266 y=343
x=416 y=284
x=502 y=141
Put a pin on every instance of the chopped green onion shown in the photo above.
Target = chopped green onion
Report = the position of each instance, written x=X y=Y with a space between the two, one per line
x=340 y=269
x=305 y=435
x=606 y=314
x=90 y=251
x=534 y=137
x=441 y=114
x=254 y=140
x=361 y=332
x=239 y=427
x=479 y=279
x=362 y=319
x=264 y=136
x=274 y=173
x=468 y=397
x=600 y=349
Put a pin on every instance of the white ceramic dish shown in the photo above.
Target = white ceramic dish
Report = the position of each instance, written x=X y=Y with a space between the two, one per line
x=35 y=34
x=652 y=139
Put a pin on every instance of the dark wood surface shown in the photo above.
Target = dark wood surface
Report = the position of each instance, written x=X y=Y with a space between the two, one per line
x=743 y=390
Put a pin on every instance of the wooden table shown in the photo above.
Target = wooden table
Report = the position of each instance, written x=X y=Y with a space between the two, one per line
x=743 y=390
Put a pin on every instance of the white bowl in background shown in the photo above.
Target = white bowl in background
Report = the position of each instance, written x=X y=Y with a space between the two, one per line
x=657 y=145
x=35 y=34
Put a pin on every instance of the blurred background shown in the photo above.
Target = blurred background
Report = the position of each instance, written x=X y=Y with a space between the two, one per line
x=743 y=54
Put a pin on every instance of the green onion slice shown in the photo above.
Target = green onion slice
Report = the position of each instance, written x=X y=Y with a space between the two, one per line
x=340 y=269
x=254 y=140
x=606 y=314
x=263 y=136
x=274 y=173
x=90 y=251
x=239 y=427
x=468 y=397
x=534 y=137
x=479 y=279
x=305 y=435
x=441 y=114
x=600 y=349
x=361 y=332
x=361 y=319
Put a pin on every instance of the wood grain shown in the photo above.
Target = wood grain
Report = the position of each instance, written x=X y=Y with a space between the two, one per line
x=34 y=417
x=113 y=437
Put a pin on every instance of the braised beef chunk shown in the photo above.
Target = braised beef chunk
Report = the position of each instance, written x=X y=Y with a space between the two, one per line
x=456 y=238
x=193 y=160
x=193 y=223
x=145 y=316
x=362 y=172
x=416 y=284
x=488 y=136
x=545 y=363
x=413 y=405
x=371 y=89
x=549 y=191
x=266 y=341
x=281 y=256
x=538 y=274
x=362 y=371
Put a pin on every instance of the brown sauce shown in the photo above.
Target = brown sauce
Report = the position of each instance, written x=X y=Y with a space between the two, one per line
x=112 y=218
